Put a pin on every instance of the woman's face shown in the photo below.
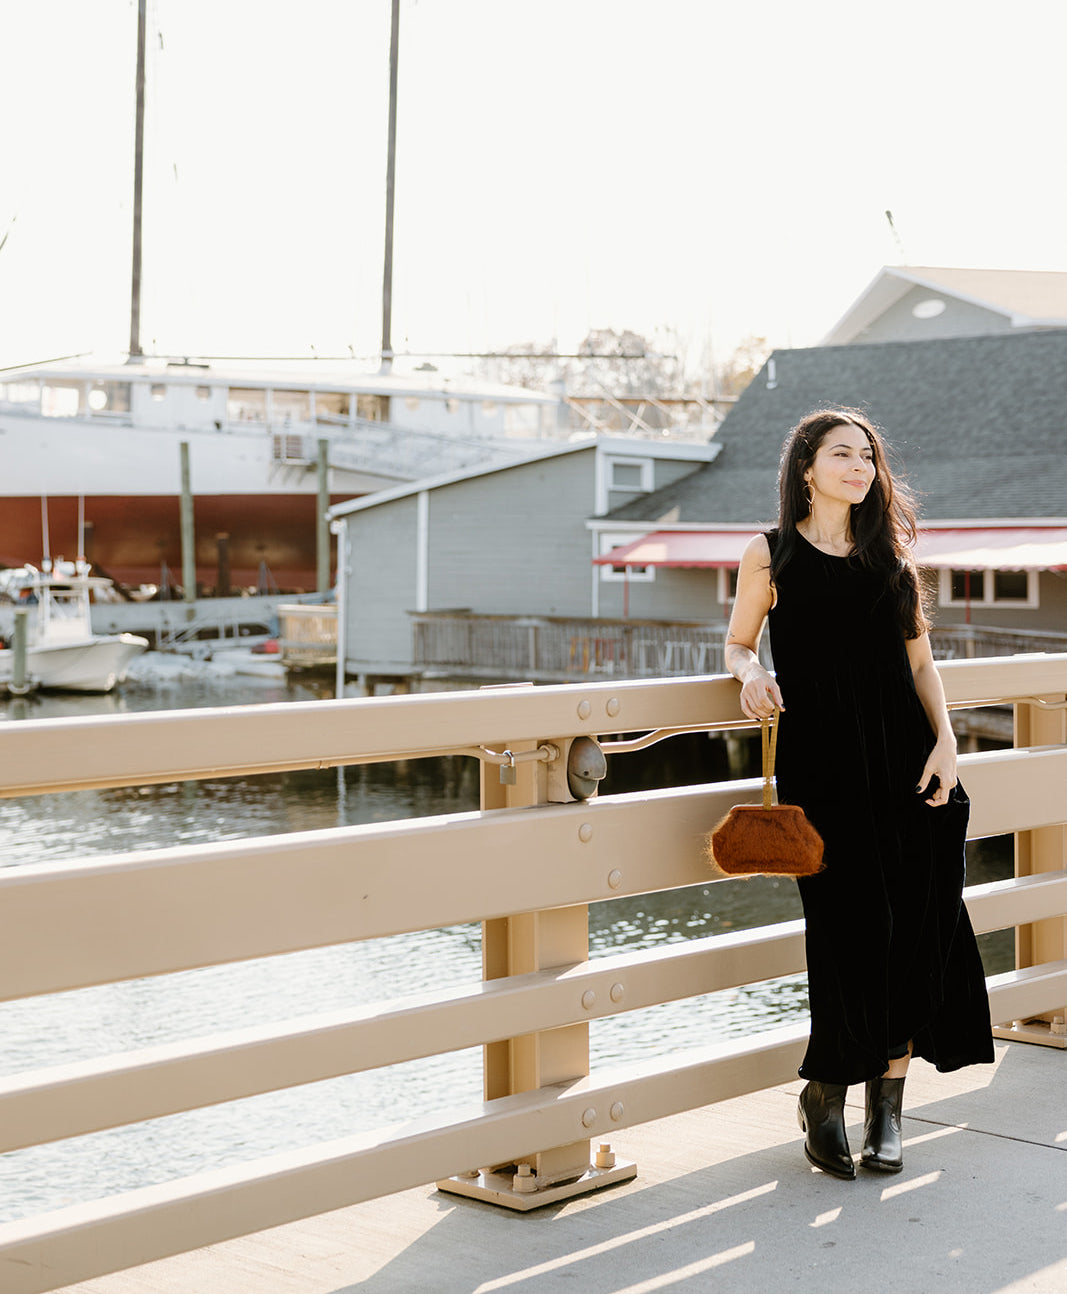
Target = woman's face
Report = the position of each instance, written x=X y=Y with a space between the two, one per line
x=843 y=467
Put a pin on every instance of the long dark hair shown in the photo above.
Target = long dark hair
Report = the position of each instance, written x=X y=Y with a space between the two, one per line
x=883 y=523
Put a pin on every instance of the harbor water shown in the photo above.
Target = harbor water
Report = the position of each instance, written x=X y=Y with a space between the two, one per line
x=68 y=1027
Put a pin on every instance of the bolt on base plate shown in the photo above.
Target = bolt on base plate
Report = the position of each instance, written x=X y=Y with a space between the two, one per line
x=497 y=1188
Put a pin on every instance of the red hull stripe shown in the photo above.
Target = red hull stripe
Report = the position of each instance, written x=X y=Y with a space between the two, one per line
x=129 y=537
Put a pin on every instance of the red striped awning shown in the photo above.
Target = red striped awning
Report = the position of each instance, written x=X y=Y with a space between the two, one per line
x=1000 y=548
x=1003 y=548
x=709 y=548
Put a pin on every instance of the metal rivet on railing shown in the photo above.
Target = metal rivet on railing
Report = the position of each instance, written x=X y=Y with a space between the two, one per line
x=615 y=878
x=617 y=992
x=585 y=832
x=617 y=1111
x=585 y=709
x=589 y=1117
x=589 y=999
x=614 y=705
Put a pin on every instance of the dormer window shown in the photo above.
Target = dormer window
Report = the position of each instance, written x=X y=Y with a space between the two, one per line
x=630 y=475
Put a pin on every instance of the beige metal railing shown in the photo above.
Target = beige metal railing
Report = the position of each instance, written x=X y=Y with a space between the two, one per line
x=525 y=866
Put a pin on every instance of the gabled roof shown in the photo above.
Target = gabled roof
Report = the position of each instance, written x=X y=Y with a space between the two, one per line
x=978 y=424
x=1025 y=298
x=702 y=452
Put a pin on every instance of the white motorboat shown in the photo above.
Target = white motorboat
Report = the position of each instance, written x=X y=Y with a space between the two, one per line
x=62 y=651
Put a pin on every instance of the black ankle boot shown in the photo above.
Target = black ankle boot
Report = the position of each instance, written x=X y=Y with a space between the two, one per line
x=882 y=1149
x=821 y=1114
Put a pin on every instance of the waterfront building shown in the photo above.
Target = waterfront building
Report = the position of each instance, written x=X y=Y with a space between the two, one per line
x=504 y=541
x=920 y=303
x=442 y=572
x=976 y=423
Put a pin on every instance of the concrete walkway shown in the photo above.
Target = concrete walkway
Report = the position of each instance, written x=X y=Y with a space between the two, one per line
x=723 y=1200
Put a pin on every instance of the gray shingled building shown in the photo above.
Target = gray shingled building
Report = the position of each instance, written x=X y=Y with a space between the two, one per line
x=978 y=425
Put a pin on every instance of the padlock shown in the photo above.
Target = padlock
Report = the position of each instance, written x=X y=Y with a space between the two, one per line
x=508 y=774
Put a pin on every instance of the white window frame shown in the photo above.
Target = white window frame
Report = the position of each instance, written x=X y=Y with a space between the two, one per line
x=1030 y=603
x=647 y=479
x=607 y=540
x=723 y=588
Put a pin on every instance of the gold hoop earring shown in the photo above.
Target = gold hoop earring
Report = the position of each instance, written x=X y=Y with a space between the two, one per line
x=809 y=495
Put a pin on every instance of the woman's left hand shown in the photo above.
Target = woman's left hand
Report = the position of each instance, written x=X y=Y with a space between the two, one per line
x=942 y=765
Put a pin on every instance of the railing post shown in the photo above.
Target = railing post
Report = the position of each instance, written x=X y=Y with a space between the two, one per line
x=1043 y=849
x=518 y=945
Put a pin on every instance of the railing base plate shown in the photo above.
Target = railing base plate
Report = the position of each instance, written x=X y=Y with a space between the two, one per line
x=1034 y=1031
x=497 y=1188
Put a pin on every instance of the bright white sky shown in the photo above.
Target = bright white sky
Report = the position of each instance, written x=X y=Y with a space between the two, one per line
x=700 y=167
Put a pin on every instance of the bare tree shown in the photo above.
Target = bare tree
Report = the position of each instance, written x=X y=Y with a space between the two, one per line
x=732 y=377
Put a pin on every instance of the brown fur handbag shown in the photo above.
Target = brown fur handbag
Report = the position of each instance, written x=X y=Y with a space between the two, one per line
x=769 y=839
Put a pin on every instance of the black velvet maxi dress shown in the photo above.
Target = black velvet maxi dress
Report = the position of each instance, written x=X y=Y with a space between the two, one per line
x=891 y=953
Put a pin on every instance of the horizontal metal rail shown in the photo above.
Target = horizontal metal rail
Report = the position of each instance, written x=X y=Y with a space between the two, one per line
x=71 y=1100
x=141 y=749
x=69 y=925
x=156 y=1222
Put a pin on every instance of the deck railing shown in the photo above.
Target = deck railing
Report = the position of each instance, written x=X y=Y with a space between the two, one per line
x=558 y=649
x=457 y=644
x=307 y=635
x=969 y=642
x=526 y=865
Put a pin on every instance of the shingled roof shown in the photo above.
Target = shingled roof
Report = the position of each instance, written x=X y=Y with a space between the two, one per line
x=978 y=425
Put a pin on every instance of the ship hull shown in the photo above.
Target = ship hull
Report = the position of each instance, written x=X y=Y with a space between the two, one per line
x=136 y=539
x=125 y=482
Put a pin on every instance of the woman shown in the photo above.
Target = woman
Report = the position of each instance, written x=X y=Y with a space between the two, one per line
x=865 y=747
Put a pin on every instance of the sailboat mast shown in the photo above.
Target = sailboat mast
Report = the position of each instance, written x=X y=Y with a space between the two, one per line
x=138 y=175
x=390 y=186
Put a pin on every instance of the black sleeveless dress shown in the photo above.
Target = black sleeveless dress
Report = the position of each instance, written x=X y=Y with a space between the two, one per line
x=891 y=953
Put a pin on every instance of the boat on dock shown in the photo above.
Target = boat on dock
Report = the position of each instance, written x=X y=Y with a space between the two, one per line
x=62 y=652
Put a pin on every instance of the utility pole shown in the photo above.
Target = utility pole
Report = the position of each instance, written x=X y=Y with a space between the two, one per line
x=138 y=176
x=390 y=187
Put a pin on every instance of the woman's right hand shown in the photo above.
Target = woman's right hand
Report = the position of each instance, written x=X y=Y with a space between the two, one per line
x=760 y=693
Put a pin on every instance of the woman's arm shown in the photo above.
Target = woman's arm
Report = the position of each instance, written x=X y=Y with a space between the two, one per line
x=755 y=597
x=942 y=760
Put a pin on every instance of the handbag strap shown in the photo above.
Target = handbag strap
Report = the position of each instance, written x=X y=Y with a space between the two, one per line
x=769 y=738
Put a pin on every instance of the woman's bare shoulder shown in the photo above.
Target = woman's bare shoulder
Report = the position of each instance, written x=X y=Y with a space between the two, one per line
x=757 y=552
